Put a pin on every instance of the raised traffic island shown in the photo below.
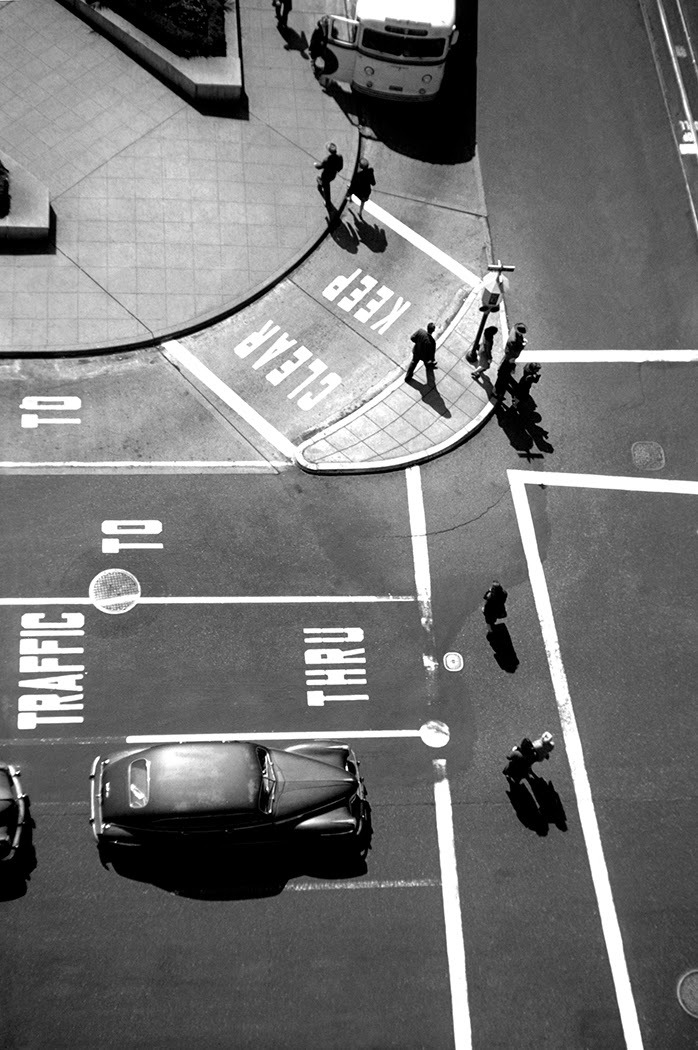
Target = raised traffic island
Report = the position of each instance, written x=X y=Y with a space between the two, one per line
x=25 y=213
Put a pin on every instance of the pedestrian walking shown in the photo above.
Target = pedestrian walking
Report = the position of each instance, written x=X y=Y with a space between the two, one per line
x=519 y=761
x=495 y=603
x=515 y=343
x=329 y=168
x=484 y=352
x=424 y=349
x=543 y=746
x=283 y=9
x=531 y=375
x=361 y=184
x=318 y=43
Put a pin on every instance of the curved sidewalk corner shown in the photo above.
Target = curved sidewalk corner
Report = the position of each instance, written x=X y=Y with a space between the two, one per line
x=411 y=423
x=167 y=219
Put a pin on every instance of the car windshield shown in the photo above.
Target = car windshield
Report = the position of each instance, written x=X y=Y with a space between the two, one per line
x=268 y=787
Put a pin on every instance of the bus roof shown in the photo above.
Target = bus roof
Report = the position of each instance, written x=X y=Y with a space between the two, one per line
x=433 y=12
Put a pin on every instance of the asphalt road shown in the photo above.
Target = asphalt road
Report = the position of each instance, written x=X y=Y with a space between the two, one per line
x=574 y=143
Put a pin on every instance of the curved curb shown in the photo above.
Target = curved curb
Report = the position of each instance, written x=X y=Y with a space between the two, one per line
x=413 y=458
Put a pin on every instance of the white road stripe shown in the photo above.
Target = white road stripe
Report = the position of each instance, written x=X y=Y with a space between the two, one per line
x=127 y=464
x=179 y=356
x=422 y=574
x=453 y=922
x=365 y=884
x=607 y=356
x=323 y=734
x=575 y=756
x=218 y=599
x=448 y=263
x=602 y=481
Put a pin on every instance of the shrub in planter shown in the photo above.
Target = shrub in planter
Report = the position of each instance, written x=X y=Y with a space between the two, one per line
x=191 y=16
x=185 y=27
x=5 y=198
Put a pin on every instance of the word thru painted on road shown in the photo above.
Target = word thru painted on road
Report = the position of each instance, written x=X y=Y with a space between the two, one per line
x=333 y=666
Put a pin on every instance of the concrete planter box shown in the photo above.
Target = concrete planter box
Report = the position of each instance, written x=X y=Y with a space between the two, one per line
x=205 y=80
x=29 y=218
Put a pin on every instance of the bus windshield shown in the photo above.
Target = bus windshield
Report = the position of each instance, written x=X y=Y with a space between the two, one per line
x=407 y=46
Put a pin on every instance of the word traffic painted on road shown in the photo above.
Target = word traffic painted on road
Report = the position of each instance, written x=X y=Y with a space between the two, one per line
x=365 y=313
x=32 y=405
x=38 y=649
x=301 y=356
x=330 y=667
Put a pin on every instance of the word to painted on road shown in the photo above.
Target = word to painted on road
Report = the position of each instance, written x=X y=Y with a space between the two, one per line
x=301 y=356
x=325 y=667
x=38 y=649
x=689 y=137
x=112 y=530
x=30 y=420
x=365 y=313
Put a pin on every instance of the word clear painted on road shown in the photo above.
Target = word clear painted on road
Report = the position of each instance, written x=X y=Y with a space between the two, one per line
x=365 y=313
x=301 y=357
x=113 y=529
x=340 y=666
x=41 y=653
x=31 y=405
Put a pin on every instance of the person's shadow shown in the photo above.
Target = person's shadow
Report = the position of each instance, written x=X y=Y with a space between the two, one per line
x=372 y=235
x=294 y=41
x=538 y=807
x=530 y=419
x=517 y=434
x=342 y=233
x=502 y=646
x=430 y=395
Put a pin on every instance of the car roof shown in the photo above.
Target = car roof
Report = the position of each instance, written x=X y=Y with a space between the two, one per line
x=187 y=780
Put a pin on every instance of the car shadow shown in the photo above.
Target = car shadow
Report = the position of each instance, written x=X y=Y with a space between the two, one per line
x=224 y=872
x=15 y=872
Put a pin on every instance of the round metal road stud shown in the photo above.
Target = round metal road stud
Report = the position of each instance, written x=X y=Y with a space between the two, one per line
x=647 y=455
x=687 y=992
x=453 y=662
x=435 y=734
x=114 y=591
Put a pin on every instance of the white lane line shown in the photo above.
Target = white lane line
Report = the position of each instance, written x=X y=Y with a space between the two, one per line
x=448 y=263
x=128 y=464
x=365 y=884
x=602 y=481
x=453 y=922
x=322 y=734
x=575 y=756
x=243 y=599
x=178 y=355
x=607 y=356
x=422 y=574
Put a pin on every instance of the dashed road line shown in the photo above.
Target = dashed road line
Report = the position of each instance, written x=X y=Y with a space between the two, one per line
x=415 y=239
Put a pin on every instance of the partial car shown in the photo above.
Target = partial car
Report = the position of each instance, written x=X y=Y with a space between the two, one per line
x=13 y=811
x=241 y=791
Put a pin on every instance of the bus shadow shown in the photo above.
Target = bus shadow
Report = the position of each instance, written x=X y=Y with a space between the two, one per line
x=440 y=132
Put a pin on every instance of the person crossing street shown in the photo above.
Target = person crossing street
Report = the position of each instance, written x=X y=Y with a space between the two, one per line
x=424 y=350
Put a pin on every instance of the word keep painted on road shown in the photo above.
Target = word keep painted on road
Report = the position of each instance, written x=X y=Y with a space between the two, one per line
x=337 y=666
x=300 y=357
x=40 y=653
x=113 y=529
x=32 y=405
x=365 y=313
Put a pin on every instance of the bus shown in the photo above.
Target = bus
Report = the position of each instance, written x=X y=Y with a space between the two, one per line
x=391 y=48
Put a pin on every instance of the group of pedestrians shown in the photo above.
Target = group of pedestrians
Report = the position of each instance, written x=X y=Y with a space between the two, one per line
x=330 y=166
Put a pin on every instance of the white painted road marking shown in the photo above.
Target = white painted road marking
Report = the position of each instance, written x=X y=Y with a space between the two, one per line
x=240 y=599
x=453 y=922
x=607 y=356
x=181 y=357
x=323 y=734
x=587 y=815
x=154 y=464
x=448 y=263
x=365 y=884
x=422 y=575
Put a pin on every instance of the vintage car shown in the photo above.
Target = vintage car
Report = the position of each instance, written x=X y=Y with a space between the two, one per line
x=240 y=791
x=13 y=811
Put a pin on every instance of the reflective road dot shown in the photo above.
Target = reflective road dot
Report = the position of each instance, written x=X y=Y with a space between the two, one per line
x=687 y=992
x=114 y=591
x=453 y=662
x=647 y=455
x=435 y=734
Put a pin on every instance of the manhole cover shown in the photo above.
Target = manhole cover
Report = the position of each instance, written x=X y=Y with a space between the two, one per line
x=647 y=455
x=114 y=591
x=435 y=734
x=687 y=991
x=453 y=662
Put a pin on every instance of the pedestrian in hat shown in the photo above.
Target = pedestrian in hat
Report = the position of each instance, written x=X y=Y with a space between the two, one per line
x=329 y=169
x=424 y=350
x=515 y=343
x=531 y=375
x=362 y=183
x=495 y=603
x=484 y=352
x=519 y=761
x=318 y=43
